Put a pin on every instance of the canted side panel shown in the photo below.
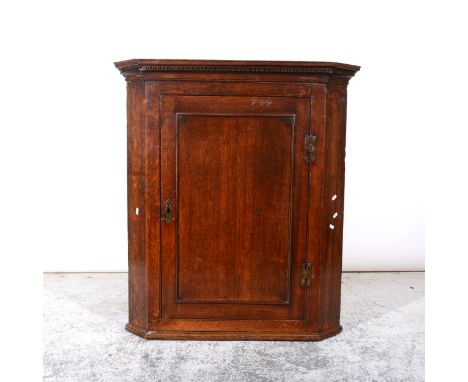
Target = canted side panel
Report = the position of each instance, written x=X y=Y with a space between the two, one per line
x=153 y=192
x=315 y=210
x=333 y=203
x=136 y=190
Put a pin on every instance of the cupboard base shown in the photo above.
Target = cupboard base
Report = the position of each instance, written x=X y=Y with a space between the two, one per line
x=231 y=336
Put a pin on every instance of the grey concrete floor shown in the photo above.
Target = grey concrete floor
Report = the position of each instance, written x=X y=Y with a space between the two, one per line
x=382 y=340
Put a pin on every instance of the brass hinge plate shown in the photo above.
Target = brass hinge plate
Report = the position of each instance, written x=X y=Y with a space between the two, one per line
x=310 y=147
x=306 y=275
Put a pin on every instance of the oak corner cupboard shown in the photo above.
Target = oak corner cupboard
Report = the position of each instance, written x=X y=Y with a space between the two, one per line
x=235 y=198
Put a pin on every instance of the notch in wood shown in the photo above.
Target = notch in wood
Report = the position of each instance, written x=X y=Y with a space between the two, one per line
x=310 y=147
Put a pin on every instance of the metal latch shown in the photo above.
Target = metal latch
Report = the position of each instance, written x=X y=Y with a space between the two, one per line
x=310 y=147
x=306 y=275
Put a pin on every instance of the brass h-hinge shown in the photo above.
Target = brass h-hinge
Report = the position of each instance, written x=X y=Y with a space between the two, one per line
x=306 y=275
x=310 y=147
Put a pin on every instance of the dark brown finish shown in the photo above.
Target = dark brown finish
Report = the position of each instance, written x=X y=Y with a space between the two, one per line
x=235 y=198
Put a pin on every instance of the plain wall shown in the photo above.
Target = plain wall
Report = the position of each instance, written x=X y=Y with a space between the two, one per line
x=79 y=115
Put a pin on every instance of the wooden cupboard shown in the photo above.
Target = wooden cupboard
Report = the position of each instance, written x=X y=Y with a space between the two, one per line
x=235 y=198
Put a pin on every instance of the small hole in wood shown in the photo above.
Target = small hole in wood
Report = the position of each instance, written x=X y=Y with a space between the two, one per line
x=334 y=197
x=137 y=211
x=332 y=226
x=335 y=215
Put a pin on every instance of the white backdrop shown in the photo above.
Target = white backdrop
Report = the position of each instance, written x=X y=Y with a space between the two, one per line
x=74 y=119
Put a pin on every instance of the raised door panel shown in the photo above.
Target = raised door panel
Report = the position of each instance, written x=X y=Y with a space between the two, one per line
x=233 y=200
x=232 y=169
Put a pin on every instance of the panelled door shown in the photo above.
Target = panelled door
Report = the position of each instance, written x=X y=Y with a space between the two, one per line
x=234 y=201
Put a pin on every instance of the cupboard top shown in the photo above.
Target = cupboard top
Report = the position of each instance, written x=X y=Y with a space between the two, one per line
x=138 y=69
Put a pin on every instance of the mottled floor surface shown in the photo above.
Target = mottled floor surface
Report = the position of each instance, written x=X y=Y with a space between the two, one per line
x=85 y=340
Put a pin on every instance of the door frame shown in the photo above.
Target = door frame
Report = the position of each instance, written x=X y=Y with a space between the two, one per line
x=315 y=95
